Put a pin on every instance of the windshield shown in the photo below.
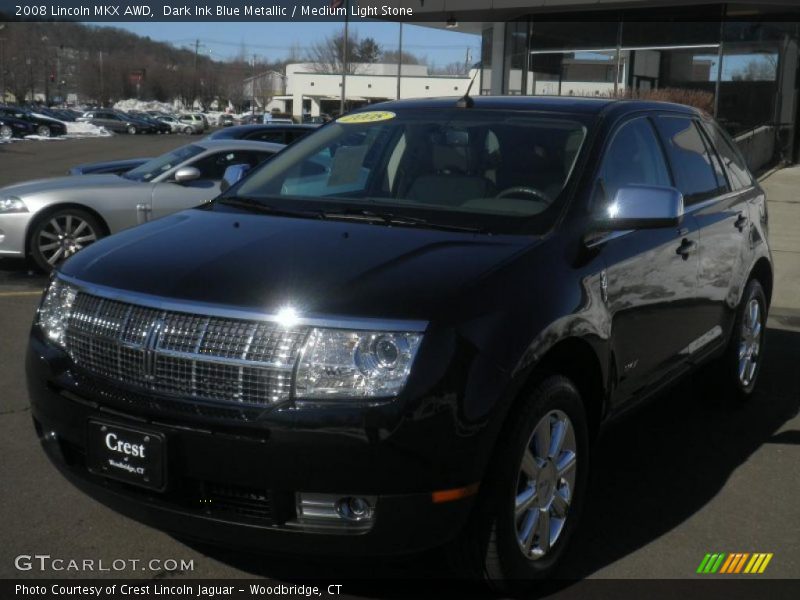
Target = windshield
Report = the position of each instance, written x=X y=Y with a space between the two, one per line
x=484 y=168
x=160 y=165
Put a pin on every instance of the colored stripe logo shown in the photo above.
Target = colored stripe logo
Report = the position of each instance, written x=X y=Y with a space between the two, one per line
x=734 y=563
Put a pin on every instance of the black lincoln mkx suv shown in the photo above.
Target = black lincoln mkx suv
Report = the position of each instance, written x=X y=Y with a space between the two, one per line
x=407 y=329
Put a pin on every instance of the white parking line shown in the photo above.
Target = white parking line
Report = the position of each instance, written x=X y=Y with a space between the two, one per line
x=19 y=294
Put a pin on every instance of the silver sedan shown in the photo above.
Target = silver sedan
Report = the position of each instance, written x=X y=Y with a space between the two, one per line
x=51 y=219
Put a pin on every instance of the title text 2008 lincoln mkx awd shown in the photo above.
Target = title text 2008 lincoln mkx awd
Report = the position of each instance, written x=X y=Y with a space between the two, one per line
x=406 y=330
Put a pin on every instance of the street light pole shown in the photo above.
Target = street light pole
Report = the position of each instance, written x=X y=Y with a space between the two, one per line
x=2 y=69
x=399 y=60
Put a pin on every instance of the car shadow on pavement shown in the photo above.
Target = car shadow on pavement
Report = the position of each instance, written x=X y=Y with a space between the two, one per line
x=653 y=469
x=18 y=273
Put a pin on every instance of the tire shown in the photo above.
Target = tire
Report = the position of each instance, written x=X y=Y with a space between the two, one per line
x=491 y=548
x=46 y=246
x=738 y=368
x=131 y=130
x=6 y=133
x=43 y=131
x=188 y=130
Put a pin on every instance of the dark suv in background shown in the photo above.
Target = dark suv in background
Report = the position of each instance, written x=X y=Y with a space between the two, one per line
x=406 y=329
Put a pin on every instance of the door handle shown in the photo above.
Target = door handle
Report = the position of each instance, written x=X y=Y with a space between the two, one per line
x=741 y=221
x=686 y=248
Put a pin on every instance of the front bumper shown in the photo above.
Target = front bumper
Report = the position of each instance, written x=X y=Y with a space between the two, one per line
x=13 y=228
x=375 y=452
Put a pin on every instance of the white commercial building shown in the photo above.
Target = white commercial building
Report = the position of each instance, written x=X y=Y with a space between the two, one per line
x=312 y=92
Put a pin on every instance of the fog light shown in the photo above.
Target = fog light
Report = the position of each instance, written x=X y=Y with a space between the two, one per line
x=335 y=511
x=354 y=508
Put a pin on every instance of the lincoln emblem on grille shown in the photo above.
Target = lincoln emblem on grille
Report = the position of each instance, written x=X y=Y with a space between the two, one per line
x=150 y=346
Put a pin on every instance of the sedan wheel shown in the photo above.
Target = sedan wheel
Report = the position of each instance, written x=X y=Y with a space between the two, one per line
x=132 y=130
x=6 y=133
x=60 y=235
x=43 y=131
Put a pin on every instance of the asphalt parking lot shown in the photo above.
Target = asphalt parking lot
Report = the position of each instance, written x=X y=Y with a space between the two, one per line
x=684 y=476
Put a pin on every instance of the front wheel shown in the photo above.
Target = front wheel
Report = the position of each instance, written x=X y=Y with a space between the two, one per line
x=531 y=498
x=6 y=133
x=61 y=234
x=188 y=130
x=132 y=130
x=43 y=131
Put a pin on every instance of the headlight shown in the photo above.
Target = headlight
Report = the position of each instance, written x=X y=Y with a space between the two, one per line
x=12 y=204
x=355 y=364
x=55 y=310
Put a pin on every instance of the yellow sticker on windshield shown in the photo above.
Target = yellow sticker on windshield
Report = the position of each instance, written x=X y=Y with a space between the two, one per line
x=372 y=116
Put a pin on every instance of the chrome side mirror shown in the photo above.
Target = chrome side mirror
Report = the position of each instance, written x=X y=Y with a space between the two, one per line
x=642 y=207
x=186 y=174
x=232 y=175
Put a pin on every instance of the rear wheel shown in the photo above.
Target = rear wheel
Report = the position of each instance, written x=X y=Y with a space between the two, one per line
x=531 y=498
x=6 y=133
x=739 y=367
x=43 y=131
x=61 y=234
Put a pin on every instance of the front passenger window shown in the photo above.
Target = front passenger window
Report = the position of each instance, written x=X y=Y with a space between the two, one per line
x=634 y=157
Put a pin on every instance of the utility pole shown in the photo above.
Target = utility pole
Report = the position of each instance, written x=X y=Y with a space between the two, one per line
x=344 y=54
x=101 y=79
x=399 y=60
x=194 y=77
x=253 y=90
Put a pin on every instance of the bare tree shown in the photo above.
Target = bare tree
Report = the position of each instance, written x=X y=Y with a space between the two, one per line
x=326 y=55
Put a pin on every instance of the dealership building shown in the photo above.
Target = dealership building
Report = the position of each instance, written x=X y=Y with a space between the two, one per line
x=736 y=60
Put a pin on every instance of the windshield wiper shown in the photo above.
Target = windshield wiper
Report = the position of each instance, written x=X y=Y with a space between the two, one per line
x=365 y=214
x=257 y=205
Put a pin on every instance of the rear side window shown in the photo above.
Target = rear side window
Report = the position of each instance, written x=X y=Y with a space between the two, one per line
x=267 y=136
x=634 y=157
x=692 y=164
x=734 y=163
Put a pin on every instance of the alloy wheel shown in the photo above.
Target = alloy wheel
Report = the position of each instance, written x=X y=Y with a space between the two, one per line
x=750 y=342
x=63 y=236
x=5 y=132
x=132 y=130
x=43 y=130
x=545 y=485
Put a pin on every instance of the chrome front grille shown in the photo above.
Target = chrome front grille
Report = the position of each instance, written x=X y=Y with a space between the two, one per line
x=171 y=353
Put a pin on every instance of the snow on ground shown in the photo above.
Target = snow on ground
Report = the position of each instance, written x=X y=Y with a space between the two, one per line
x=144 y=105
x=81 y=130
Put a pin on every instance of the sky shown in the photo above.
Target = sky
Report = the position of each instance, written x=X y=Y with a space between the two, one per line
x=273 y=41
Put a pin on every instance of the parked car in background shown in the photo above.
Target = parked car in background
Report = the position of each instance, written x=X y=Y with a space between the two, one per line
x=225 y=120
x=278 y=133
x=45 y=126
x=192 y=123
x=316 y=120
x=48 y=220
x=116 y=167
x=175 y=124
x=118 y=122
x=15 y=128
x=160 y=126
x=420 y=348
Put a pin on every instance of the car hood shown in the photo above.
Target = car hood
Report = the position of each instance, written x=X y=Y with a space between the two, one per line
x=39 y=186
x=263 y=263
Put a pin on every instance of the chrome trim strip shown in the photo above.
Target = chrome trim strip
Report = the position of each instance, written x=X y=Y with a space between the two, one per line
x=201 y=308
